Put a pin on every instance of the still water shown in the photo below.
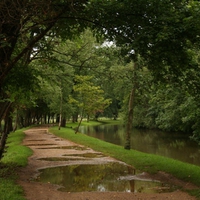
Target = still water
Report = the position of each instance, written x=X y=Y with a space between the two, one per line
x=101 y=178
x=173 y=145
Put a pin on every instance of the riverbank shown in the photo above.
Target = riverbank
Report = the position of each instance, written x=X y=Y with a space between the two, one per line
x=141 y=161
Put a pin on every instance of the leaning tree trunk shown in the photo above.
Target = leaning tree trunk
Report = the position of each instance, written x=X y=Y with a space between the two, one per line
x=2 y=143
x=79 y=124
x=6 y=130
x=129 y=120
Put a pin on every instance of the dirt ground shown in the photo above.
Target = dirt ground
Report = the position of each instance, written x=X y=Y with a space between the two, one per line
x=41 y=142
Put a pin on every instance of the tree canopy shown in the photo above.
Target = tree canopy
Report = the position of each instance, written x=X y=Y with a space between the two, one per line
x=34 y=35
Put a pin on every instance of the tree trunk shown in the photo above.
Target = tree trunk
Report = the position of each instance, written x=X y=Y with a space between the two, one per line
x=45 y=118
x=57 y=118
x=4 y=108
x=61 y=101
x=2 y=144
x=21 y=121
x=7 y=129
x=60 y=119
x=53 y=118
x=48 y=118
x=129 y=120
x=63 y=122
x=27 y=118
x=88 y=117
x=16 y=121
x=77 y=128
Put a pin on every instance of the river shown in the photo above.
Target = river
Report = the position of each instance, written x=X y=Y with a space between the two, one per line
x=173 y=145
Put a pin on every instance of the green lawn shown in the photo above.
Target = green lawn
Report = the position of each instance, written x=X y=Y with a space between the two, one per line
x=15 y=157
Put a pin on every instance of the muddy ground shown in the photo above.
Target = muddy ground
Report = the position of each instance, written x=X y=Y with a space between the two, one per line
x=46 y=145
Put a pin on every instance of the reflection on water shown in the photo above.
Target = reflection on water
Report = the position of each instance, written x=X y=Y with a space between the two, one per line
x=173 y=145
x=101 y=178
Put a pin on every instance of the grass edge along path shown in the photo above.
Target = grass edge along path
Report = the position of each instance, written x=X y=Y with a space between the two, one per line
x=141 y=161
x=16 y=156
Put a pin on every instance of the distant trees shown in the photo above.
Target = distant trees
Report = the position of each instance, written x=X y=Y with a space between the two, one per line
x=89 y=98
x=169 y=107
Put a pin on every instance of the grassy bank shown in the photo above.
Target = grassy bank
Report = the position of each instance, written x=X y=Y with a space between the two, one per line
x=15 y=157
x=141 y=161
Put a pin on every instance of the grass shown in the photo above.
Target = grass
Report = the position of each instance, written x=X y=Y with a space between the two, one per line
x=141 y=161
x=94 y=123
x=15 y=157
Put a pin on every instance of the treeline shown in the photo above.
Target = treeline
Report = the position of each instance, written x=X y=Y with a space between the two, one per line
x=170 y=104
x=169 y=107
x=96 y=81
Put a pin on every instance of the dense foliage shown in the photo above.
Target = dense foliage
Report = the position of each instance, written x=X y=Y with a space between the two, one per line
x=153 y=62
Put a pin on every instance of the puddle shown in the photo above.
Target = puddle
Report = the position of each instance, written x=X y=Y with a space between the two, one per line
x=87 y=155
x=59 y=159
x=100 y=178
x=66 y=147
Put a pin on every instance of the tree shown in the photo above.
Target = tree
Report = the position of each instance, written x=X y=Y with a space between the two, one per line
x=24 y=24
x=107 y=60
x=128 y=81
x=24 y=29
x=90 y=98
x=159 y=31
x=67 y=59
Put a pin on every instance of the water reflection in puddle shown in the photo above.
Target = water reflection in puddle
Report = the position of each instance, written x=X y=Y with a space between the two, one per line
x=101 y=178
